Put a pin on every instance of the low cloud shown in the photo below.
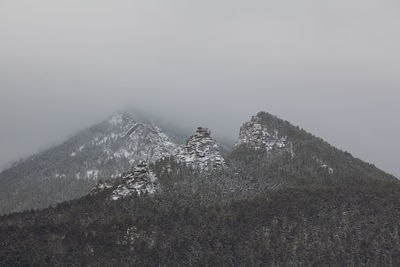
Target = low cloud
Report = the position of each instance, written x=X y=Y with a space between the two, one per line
x=331 y=68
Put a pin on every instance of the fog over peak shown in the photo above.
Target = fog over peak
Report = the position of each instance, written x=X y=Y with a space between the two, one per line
x=330 y=67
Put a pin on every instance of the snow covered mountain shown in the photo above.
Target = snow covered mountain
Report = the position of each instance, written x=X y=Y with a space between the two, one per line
x=130 y=140
x=280 y=154
x=279 y=189
x=70 y=170
x=269 y=154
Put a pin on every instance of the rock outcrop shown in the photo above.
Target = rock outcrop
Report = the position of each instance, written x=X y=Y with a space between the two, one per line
x=258 y=136
x=140 y=181
x=201 y=152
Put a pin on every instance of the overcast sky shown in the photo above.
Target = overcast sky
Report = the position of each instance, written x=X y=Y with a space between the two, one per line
x=332 y=67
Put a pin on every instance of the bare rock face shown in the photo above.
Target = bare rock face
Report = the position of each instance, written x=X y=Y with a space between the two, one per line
x=201 y=152
x=135 y=141
x=256 y=135
x=140 y=181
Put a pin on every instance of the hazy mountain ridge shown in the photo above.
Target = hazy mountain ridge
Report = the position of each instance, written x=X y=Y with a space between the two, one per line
x=70 y=170
x=269 y=150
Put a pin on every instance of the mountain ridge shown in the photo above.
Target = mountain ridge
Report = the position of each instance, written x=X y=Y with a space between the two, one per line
x=268 y=149
x=104 y=150
x=283 y=198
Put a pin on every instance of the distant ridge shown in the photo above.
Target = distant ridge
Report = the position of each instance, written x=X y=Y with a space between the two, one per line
x=71 y=169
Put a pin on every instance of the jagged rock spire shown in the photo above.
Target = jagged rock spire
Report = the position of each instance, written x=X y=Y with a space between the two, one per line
x=201 y=151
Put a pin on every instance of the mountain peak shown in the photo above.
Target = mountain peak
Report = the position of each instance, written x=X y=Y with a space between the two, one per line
x=257 y=133
x=105 y=150
x=201 y=151
x=136 y=140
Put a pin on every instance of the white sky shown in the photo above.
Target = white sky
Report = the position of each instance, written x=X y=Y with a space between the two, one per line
x=332 y=67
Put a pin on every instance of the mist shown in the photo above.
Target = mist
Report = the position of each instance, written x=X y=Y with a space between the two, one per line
x=332 y=68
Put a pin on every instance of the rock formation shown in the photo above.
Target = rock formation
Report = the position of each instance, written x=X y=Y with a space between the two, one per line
x=140 y=181
x=256 y=135
x=201 y=151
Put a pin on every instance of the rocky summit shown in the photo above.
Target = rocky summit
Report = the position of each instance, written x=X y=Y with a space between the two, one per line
x=201 y=151
x=257 y=135
x=135 y=141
